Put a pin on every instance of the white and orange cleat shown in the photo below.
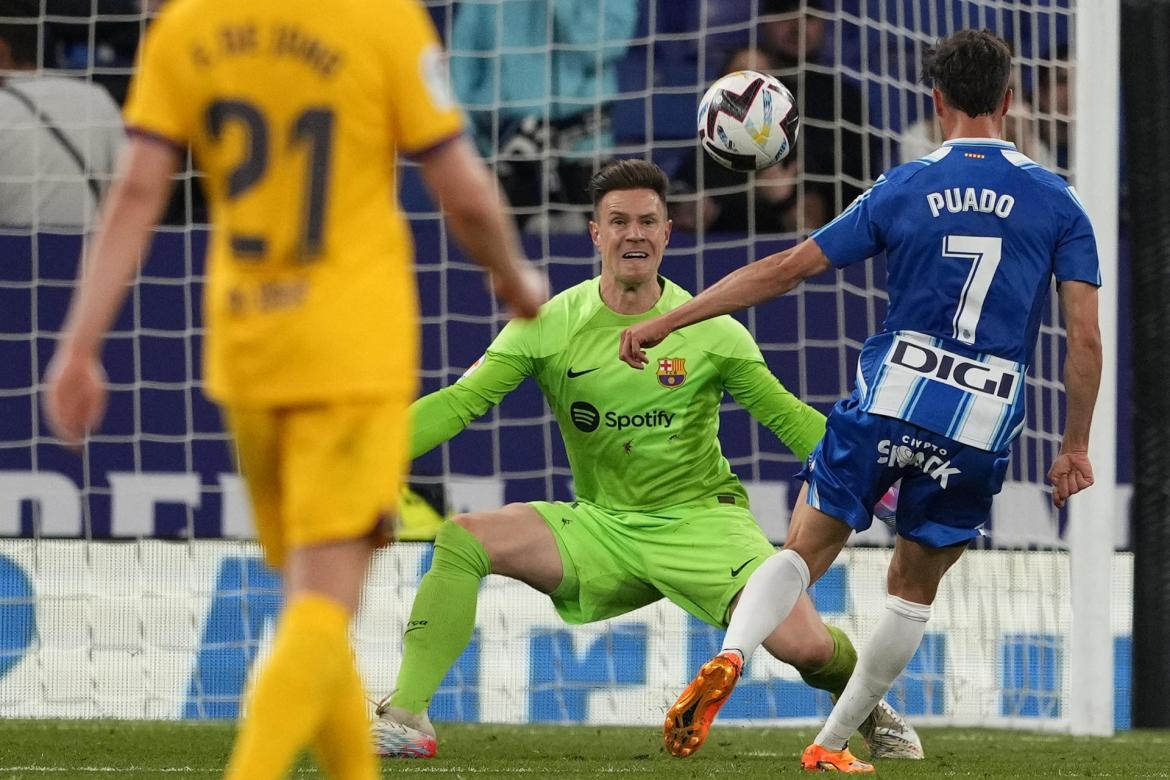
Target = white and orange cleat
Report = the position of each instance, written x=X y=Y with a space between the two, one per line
x=821 y=759
x=689 y=720
x=401 y=734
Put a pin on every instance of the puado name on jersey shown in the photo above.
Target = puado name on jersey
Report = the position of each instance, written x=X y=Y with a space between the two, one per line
x=958 y=199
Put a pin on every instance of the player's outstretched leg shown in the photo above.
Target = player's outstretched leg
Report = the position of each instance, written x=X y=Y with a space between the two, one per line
x=894 y=641
x=887 y=733
x=800 y=641
x=758 y=612
x=441 y=621
x=820 y=759
x=689 y=720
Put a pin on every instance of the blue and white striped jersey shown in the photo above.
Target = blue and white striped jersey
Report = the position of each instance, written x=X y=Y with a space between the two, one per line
x=973 y=234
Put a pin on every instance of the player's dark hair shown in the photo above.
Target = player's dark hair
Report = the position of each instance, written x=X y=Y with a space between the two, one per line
x=971 y=68
x=627 y=175
x=21 y=36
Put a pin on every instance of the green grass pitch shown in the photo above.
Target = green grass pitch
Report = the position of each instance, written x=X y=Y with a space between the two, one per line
x=93 y=749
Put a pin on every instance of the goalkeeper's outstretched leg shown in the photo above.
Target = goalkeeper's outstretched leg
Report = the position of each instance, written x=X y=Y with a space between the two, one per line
x=525 y=542
x=514 y=541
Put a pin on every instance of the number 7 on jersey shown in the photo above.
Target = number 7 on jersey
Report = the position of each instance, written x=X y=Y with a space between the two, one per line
x=984 y=252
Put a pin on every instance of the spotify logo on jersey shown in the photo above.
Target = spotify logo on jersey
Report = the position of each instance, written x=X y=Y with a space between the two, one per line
x=585 y=416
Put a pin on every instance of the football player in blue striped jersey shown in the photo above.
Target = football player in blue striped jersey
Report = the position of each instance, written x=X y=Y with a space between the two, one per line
x=974 y=234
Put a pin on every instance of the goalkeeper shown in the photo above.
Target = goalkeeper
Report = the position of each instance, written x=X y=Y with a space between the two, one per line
x=658 y=511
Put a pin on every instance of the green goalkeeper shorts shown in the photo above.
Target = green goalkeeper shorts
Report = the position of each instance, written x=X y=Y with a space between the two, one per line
x=697 y=556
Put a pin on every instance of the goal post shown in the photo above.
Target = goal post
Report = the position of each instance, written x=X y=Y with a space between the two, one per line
x=1093 y=513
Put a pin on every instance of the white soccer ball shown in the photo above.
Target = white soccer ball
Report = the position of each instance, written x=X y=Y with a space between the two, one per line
x=748 y=121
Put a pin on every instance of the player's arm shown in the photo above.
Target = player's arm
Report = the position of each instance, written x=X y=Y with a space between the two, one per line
x=1072 y=471
x=75 y=391
x=752 y=284
x=439 y=416
x=467 y=191
x=756 y=388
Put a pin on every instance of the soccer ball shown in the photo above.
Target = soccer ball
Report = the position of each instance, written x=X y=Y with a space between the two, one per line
x=748 y=121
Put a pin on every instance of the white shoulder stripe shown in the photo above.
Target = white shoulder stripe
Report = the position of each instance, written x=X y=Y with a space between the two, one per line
x=1018 y=159
x=1072 y=193
x=934 y=156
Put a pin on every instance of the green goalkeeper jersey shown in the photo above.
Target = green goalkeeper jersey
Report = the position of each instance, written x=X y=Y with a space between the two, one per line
x=636 y=440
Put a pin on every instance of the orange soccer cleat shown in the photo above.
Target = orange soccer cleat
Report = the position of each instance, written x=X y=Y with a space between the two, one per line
x=689 y=720
x=820 y=759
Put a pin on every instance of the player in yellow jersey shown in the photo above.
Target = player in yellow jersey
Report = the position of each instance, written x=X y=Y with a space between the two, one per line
x=296 y=110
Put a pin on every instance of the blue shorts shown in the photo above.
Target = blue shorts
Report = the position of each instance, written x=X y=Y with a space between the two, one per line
x=945 y=496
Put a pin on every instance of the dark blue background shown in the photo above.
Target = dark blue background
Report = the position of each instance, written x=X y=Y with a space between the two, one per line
x=159 y=420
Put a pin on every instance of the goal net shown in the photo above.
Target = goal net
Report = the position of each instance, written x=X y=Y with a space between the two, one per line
x=128 y=584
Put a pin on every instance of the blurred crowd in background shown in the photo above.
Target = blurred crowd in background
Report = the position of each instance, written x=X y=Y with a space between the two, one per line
x=554 y=88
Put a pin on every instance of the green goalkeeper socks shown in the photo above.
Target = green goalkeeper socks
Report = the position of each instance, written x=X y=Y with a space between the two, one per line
x=442 y=617
x=835 y=674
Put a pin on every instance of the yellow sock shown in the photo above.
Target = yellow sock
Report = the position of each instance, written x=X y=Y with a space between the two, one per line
x=343 y=744
x=296 y=688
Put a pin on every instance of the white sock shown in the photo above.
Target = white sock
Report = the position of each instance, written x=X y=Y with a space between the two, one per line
x=893 y=644
x=770 y=594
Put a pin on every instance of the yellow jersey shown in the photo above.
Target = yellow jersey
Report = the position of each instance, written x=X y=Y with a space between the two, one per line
x=296 y=111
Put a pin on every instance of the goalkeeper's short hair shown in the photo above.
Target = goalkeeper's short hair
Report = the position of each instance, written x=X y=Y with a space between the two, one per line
x=630 y=174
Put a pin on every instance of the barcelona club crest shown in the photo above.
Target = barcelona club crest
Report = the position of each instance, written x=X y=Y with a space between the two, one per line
x=672 y=372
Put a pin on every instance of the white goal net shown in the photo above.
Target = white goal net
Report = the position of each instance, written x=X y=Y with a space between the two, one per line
x=125 y=588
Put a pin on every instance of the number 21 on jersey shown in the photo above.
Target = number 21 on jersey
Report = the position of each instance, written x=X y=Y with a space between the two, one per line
x=313 y=129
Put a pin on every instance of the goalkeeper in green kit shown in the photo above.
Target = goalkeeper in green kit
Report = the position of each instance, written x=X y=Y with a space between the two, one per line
x=658 y=511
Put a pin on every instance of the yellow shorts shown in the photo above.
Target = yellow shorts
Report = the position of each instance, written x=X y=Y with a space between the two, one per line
x=318 y=474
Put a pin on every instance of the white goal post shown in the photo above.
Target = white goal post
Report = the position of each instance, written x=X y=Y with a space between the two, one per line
x=1097 y=102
